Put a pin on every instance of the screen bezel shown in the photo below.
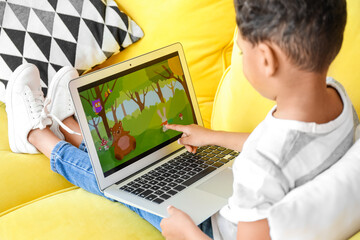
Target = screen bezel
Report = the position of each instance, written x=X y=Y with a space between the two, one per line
x=90 y=79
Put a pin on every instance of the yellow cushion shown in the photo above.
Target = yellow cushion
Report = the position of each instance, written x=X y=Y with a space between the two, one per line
x=355 y=237
x=24 y=177
x=204 y=28
x=75 y=214
x=345 y=68
x=238 y=107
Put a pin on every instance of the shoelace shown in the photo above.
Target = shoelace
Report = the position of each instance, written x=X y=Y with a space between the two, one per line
x=37 y=108
x=45 y=109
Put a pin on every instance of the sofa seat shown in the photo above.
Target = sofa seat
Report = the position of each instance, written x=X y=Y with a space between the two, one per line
x=73 y=213
x=24 y=177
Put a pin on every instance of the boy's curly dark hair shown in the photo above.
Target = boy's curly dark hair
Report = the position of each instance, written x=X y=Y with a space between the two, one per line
x=310 y=32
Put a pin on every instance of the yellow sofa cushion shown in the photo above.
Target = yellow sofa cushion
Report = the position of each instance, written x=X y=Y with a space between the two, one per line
x=238 y=107
x=204 y=28
x=355 y=237
x=75 y=214
x=24 y=177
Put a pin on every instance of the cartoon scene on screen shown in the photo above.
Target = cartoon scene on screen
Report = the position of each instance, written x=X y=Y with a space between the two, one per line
x=127 y=116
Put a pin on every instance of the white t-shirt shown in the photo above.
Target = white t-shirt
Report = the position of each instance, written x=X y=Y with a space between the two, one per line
x=279 y=156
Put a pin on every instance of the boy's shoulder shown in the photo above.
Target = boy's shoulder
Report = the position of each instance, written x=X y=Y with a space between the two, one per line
x=279 y=145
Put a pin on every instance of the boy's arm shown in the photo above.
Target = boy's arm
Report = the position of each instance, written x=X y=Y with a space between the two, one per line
x=196 y=136
x=258 y=230
x=231 y=140
x=179 y=226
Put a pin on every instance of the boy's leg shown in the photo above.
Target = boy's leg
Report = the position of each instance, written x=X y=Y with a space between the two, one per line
x=74 y=164
x=74 y=139
x=43 y=140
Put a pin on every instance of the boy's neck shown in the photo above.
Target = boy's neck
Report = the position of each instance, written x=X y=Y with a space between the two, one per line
x=304 y=96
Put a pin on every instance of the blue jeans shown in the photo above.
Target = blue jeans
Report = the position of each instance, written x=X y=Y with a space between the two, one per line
x=74 y=164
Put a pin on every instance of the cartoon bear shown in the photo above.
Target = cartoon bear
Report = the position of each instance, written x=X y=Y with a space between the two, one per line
x=123 y=142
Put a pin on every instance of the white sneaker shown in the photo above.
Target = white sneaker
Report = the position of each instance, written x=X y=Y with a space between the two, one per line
x=58 y=102
x=24 y=107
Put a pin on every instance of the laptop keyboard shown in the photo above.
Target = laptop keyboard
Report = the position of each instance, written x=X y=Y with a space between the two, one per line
x=179 y=173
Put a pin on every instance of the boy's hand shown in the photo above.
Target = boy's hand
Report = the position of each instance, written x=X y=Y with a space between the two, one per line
x=180 y=226
x=194 y=136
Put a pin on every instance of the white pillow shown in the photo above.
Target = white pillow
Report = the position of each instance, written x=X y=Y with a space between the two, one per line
x=328 y=207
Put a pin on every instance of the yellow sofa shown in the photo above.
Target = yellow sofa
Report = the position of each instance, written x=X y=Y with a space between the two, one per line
x=36 y=203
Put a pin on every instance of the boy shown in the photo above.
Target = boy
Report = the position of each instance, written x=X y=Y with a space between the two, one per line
x=287 y=47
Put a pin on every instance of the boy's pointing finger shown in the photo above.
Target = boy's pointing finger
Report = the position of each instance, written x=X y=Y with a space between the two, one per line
x=176 y=127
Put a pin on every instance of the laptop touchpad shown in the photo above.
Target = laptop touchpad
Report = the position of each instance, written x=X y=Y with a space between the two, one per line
x=220 y=185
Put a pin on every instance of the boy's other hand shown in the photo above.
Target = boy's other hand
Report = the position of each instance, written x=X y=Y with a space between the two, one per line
x=194 y=136
x=180 y=226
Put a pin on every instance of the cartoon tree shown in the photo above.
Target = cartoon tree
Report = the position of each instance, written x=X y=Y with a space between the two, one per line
x=116 y=98
x=121 y=99
x=100 y=94
x=171 y=85
x=157 y=79
x=174 y=71
x=136 y=87
x=94 y=122
x=113 y=110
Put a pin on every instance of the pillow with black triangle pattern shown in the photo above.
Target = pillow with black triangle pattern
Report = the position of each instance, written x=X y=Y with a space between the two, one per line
x=56 y=33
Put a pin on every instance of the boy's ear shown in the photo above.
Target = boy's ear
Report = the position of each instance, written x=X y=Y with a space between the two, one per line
x=269 y=59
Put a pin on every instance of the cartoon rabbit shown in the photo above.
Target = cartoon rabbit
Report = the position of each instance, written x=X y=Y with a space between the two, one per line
x=163 y=119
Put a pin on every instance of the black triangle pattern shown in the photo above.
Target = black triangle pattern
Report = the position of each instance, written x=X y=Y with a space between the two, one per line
x=17 y=37
x=53 y=3
x=72 y=23
x=100 y=6
x=56 y=67
x=47 y=18
x=123 y=16
x=43 y=68
x=80 y=71
x=97 y=29
x=118 y=34
x=43 y=42
x=69 y=50
x=12 y=61
x=22 y=13
x=44 y=90
x=2 y=10
x=4 y=82
x=78 y=5
x=134 y=38
x=108 y=54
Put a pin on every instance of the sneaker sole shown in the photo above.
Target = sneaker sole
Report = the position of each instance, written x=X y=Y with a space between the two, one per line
x=53 y=85
x=9 y=107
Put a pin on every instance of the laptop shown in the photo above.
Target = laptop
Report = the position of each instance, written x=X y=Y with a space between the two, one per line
x=122 y=111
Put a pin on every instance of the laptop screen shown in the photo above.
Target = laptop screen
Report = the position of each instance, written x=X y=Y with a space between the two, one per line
x=127 y=112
